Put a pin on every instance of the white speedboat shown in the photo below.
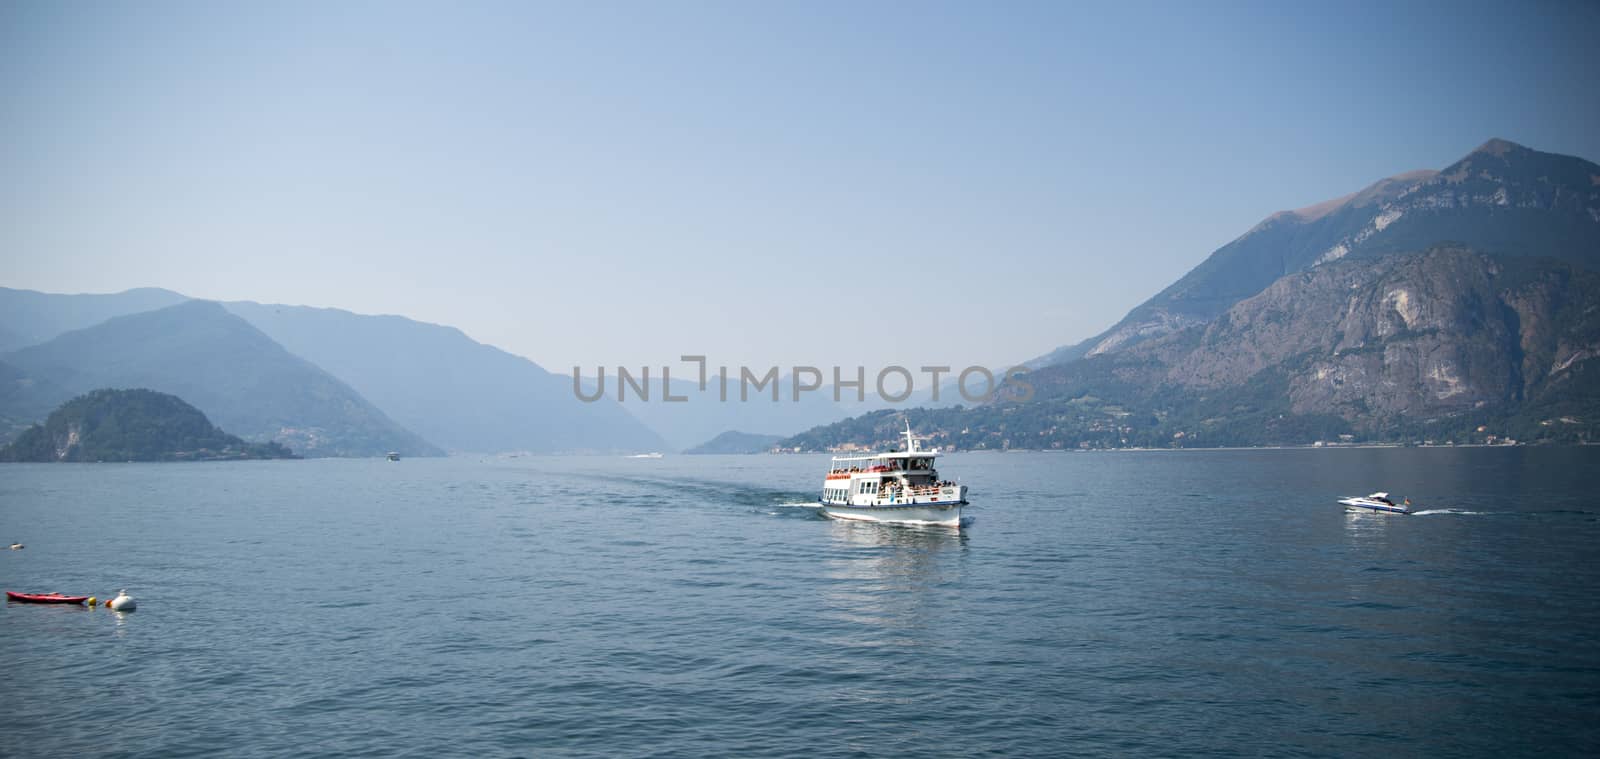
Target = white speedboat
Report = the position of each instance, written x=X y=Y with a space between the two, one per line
x=1375 y=502
x=899 y=486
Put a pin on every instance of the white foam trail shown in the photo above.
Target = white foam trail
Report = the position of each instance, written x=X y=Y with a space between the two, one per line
x=1444 y=511
x=797 y=505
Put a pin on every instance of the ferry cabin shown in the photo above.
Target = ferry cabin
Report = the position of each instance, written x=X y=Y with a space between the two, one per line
x=887 y=479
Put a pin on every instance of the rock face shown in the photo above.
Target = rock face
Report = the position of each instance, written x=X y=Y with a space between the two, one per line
x=1388 y=348
x=1421 y=335
x=1501 y=198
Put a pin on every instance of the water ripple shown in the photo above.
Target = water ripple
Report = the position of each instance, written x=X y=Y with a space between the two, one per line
x=1122 y=603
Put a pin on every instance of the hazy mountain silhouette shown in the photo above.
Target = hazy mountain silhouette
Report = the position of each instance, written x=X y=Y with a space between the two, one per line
x=29 y=318
x=235 y=374
x=452 y=390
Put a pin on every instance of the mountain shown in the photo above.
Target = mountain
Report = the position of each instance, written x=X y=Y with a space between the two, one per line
x=456 y=392
x=1501 y=198
x=1429 y=345
x=734 y=441
x=132 y=425
x=29 y=318
x=1461 y=305
x=448 y=388
x=1444 y=345
x=237 y=375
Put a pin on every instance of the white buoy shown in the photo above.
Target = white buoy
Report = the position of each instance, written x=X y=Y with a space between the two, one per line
x=123 y=602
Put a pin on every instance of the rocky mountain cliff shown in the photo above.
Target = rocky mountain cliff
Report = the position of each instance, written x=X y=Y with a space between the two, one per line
x=1407 y=335
x=1461 y=305
x=1382 y=341
x=1447 y=345
x=1501 y=198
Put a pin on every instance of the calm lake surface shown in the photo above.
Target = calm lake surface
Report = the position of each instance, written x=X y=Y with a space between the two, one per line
x=1120 y=603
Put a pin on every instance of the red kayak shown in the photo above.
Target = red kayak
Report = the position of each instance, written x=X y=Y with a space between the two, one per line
x=44 y=598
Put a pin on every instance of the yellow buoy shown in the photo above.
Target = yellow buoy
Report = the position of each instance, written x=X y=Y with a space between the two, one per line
x=91 y=600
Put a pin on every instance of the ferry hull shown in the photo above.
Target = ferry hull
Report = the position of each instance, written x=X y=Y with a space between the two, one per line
x=1363 y=505
x=941 y=514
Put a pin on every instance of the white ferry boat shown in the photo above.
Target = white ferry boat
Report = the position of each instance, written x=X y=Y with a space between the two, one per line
x=900 y=486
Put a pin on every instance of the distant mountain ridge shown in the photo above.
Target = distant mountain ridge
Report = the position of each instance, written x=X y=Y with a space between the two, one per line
x=1501 y=198
x=453 y=391
x=237 y=375
x=734 y=441
x=429 y=379
x=704 y=414
x=450 y=389
x=29 y=318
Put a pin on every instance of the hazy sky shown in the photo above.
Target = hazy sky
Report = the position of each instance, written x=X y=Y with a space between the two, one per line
x=760 y=182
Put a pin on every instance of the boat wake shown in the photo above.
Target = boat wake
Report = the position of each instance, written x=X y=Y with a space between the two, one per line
x=791 y=509
x=1435 y=512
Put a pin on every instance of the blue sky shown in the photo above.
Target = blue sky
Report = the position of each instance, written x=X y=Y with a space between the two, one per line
x=763 y=183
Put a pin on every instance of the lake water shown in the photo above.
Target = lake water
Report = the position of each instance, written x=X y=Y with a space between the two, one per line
x=1119 y=603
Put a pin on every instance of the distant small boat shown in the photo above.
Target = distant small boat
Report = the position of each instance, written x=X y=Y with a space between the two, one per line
x=1376 y=502
x=44 y=598
x=651 y=455
x=394 y=455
